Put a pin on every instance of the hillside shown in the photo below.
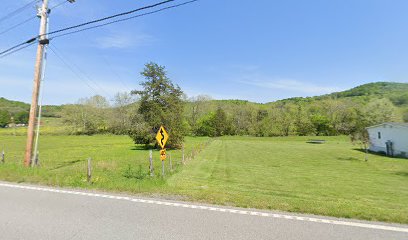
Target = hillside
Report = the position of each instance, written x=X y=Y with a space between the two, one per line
x=396 y=92
x=13 y=106
x=17 y=112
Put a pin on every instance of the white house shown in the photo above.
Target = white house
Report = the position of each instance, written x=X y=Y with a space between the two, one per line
x=389 y=138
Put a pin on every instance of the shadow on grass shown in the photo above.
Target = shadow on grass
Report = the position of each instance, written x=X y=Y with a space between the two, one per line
x=149 y=147
x=404 y=174
x=143 y=147
x=348 y=159
x=66 y=164
x=382 y=154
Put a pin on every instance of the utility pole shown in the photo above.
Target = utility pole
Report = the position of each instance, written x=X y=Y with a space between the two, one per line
x=43 y=14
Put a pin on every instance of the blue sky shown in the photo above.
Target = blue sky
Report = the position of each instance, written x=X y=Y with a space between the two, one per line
x=260 y=51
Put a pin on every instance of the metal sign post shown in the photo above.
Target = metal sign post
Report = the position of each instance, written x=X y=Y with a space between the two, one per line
x=162 y=136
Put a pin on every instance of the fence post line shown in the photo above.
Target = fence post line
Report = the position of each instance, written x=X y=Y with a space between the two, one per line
x=151 y=162
x=182 y=158
x=171 y=164
x=37 y=159
x=89 y=172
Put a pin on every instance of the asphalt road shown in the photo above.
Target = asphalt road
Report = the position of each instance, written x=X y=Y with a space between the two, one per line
x=33 y=212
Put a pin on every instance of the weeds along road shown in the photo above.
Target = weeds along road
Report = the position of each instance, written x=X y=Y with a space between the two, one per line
x=34 y=212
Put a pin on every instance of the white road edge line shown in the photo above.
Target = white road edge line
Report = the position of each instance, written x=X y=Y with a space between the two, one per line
x=216 y=209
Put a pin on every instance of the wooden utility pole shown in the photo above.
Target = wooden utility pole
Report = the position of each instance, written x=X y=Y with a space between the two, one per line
x=43 y=13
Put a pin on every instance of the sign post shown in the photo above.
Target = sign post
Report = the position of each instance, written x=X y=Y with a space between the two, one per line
x=162 y=136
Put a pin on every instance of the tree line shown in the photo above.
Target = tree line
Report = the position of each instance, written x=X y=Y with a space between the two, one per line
x=140 y=113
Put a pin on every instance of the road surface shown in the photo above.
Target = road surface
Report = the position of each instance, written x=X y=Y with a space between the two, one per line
x=35 y=212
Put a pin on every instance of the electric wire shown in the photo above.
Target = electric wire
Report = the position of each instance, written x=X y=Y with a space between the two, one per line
x=17 y=46
x=18 y=25
x=17 y=50
x=59 y=4
x=109 y=17
x=104 y=24
x=109 y=65
x=124 y=19
x=77 y=72
x=17 y=11
x=71 y=69
x=30 y=19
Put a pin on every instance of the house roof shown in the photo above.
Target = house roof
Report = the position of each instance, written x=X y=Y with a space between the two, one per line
x=390 y=124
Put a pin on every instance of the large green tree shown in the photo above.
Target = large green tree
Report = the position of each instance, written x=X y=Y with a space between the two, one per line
x=161 y=103
x=4 y=118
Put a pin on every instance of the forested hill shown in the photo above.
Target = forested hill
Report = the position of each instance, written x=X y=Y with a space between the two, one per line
x=19 y=111
x=397 y=93
x=331 y=114
x=13 y=106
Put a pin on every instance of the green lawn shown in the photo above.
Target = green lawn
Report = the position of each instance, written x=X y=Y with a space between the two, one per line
x=267 y=173
x=118 y=164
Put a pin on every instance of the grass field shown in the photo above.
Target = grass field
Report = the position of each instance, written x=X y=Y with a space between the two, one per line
x=267 y=173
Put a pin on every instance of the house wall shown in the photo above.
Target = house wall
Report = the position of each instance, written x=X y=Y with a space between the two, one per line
x=396 y=134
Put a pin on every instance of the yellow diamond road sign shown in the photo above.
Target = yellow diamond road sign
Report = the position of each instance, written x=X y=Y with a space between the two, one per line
x=162 y=137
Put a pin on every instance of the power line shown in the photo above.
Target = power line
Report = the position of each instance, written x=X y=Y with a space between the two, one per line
x=71 y=68
x=59 y=4
x=104 y=24
x=17 y=46
x=124 y=19
x=77 y=71
x=18 y=25
x=17 y=11
x=31 y=18
x=110 y=17
x=17 y=50
x=107 y=63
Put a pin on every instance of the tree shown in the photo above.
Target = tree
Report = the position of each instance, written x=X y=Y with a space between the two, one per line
x=214 y=124
x=221 y=123
x=4 y=118
x=379 y=111
x=198 y=108
x=303 y=122
x=206 y=126
x=21 y=117
x=121 y=116
x=161 y=103
x=89 y=116
x=283 y=117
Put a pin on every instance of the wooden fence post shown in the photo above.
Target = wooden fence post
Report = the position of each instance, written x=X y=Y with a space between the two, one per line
x=37 y=159
x=182 y=158
x=151 y=163
x=3 y=157
x=89 y=172
x=171 y=164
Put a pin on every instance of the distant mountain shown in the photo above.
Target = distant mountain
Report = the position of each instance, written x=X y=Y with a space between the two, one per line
x=13 y=106
x=396 y=92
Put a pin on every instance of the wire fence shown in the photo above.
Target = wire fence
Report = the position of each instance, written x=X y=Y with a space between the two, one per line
x=70 y=165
